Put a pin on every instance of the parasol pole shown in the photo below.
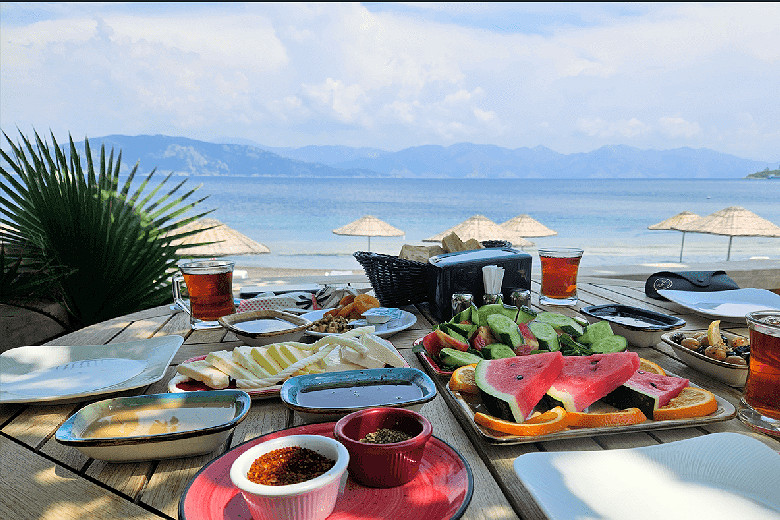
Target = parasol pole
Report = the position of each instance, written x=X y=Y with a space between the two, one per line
x=682 y=245
x=369 y=243
x=728 y=255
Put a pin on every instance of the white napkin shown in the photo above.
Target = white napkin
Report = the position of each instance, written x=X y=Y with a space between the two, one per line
x=493 y=277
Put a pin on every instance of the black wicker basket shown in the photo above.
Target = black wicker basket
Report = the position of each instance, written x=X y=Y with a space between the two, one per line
x=398 y=282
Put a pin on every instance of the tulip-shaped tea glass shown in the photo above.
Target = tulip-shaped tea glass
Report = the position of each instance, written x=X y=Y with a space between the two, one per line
x=760 y=404
x=210 y=287
x=559 y=275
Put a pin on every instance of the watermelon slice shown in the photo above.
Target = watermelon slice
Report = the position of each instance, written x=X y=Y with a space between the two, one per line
x=646 y=391
x=448 y=340
x=586 y=379
x=432 y=344
x=511 y=387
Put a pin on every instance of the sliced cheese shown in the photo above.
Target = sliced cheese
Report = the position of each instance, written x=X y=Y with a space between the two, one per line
x=243 y=356
x=382 y=349
x=223 y=361
x=264 y=359
x=364 y=360
x=204 y=372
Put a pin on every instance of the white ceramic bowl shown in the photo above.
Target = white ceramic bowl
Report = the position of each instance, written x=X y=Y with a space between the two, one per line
x=297 y=326
x=310 y=500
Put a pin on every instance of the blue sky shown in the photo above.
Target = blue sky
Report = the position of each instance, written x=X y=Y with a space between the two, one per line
x=572 y=77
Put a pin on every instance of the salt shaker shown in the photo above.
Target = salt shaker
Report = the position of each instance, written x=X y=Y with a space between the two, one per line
x=492 y=298
x=461 y=302
x=520 y=297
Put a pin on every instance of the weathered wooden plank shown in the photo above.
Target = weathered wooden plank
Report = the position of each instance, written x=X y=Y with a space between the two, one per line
x=128 y=478
x=170 y=479
x=37 y=423
x=36 y=488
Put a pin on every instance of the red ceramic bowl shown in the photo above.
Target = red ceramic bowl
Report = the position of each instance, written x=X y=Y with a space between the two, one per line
x=383 y=465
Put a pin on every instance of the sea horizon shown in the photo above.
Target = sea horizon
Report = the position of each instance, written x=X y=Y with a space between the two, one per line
x=608 y=218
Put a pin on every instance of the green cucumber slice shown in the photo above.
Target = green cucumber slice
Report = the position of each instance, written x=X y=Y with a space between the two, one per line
x=545 y=334
x=596 y=331
x=612 y=343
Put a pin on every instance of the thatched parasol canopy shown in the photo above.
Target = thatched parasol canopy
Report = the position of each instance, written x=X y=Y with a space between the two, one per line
x=732 y=222
x=221 y=240
x=526 y=226
x=681 y=219
x=369 y=226
x=480 y=228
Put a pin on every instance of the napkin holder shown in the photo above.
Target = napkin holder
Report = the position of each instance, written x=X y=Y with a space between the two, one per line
x=461 y=272
x=693 y=281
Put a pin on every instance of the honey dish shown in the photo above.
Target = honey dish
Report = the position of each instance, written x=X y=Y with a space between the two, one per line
x=310 y=499
x=640 y=327
x=258 y=328
x=385 y=445
x=156 y=426
x=332 y=395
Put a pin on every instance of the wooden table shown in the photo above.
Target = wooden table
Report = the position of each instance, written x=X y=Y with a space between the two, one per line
x=44 y=479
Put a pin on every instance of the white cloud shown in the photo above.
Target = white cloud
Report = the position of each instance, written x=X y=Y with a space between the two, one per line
x=678 y=127
x=569 y=76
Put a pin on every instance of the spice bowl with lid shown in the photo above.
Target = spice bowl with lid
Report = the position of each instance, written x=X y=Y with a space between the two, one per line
x=385 y=445
x=311 y=499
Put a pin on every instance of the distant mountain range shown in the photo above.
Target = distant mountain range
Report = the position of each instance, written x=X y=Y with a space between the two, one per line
x=191 y=157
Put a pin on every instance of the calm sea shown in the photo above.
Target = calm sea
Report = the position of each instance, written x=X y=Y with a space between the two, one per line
x=608 y=218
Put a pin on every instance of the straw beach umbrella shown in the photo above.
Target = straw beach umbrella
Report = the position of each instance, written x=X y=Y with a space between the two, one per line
x=369 y=226
x=224 y=241
x=681 y=219
x=480 y=228
x=526 y=226
x=732 y=222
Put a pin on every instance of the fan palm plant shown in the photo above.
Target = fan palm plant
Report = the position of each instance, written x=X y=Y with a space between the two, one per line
x=103 y=246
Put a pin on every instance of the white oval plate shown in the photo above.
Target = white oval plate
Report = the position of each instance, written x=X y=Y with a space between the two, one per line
x=383 y=330
x=729 y=305
x=62 y=372
x=729 y=373
x=720 y=475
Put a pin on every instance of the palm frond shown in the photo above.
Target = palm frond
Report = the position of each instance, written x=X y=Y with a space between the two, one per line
x=112 y=242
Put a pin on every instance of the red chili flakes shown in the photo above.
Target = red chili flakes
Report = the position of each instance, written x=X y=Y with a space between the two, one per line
x=288 y=466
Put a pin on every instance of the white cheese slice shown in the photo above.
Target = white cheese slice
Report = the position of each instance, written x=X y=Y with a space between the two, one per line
x=204 y=372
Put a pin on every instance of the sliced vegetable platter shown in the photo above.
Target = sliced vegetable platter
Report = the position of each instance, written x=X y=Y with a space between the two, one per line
x=466 y=405
x=495 y=331
x=518 y=376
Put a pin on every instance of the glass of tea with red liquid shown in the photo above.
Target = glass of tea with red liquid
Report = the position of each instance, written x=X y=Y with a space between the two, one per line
x=210 y=287
x=559 y=275
x=760 y=404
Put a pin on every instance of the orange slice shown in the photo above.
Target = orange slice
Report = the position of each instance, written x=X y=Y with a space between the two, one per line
x=692 y=402
x=650 y=367
x=549 y=422
x=596 y=420
x=462 y=380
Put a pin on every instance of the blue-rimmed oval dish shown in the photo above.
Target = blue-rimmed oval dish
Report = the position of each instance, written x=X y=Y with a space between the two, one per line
x=332 y=395
x=156 y=426
x=641 y=327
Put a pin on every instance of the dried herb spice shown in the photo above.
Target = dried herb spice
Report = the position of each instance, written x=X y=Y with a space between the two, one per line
x=290 y=465
x=386 y=436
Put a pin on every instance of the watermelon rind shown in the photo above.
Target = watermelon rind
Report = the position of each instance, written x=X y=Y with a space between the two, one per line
x=511 y=387
x=586 y=379
x=646 y=391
